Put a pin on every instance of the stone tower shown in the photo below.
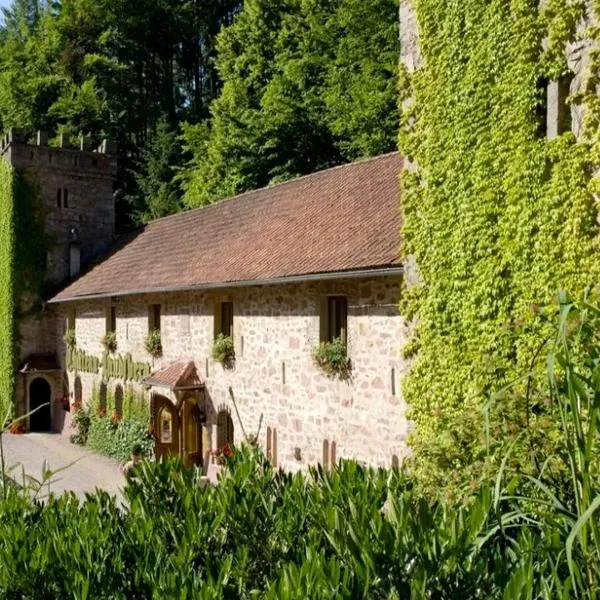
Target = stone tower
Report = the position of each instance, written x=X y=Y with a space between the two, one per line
x=76 y=194
x=63 y=219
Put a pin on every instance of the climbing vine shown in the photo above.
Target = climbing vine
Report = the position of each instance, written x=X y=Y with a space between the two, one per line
x=7 y=310
x=498 y=219
x=22 y=268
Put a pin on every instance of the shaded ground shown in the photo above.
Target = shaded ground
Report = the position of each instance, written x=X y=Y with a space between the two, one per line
x=91 y=471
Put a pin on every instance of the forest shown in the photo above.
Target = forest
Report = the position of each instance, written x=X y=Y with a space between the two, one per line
x=206 y=98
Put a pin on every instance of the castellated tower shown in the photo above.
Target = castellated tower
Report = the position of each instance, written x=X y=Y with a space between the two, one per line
x=76 y=193
x=57 y=215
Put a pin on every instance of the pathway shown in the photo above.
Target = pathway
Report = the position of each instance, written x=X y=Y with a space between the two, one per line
x=87 y=471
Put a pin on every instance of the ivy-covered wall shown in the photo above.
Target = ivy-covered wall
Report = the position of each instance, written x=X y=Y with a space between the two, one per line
x=7 y=305
x=22 y=269
x=498 y=218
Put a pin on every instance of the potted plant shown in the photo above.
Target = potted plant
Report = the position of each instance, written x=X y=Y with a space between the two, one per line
x=332 y=358
x=153 y=343
x=109 y=341
x=222 y=350
x=70 y=338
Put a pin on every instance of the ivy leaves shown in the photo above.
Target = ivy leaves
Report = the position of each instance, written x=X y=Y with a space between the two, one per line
x=497 y=218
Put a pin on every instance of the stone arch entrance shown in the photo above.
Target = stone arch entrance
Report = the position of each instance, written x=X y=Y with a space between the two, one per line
x=40 y=397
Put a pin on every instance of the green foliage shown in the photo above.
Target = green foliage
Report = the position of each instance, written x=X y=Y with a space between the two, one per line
x=306 y=85
x=82 y=419
x=115 y=430
x=109 y=341
x=155 y=180
x=70 y=338
x=7 y=298
x=222 y=349
x=114 y=68
x=153 y=343
x=22 y=267
x=498 y=219
x=351 y=532
x=332 y=357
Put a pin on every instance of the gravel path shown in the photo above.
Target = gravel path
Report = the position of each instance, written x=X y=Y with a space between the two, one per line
x=87 y=471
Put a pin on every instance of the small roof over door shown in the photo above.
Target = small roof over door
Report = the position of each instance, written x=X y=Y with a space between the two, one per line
x=178 y=376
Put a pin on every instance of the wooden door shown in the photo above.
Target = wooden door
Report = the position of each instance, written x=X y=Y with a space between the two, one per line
x=166 y=427
x=192 y=434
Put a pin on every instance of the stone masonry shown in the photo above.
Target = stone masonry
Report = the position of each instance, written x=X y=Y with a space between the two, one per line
x=274 y=381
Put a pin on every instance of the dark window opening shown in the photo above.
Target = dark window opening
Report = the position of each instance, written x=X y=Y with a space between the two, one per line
x=334 y=319
x=224 y=429
x=224 y=319
x=154 y=317
x=111 y=320
x=66 y=198
x=58 y=197
x=542 y=106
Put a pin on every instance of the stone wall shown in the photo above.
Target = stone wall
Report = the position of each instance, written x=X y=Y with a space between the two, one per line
x=274 y=380
x=88 y=218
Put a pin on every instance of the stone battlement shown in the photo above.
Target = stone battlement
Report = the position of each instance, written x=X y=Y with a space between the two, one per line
x=17 y=136
x=39 y=156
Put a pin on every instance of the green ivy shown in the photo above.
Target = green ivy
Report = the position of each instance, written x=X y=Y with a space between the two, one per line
x=498 y=219
x=22 y=268
x=7 y=299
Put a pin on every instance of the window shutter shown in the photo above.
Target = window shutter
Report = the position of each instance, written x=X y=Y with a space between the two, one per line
x=217 y=319
x=326 y=454
x=323 y=319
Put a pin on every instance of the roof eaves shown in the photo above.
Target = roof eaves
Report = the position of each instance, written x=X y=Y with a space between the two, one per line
x=388 y=270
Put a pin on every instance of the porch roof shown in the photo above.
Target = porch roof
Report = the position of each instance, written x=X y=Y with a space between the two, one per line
x=180 y=375
x=39 y=363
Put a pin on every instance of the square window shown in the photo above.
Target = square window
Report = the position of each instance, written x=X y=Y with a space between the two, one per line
x=334 y=318
x=154 y=312
x=224 y=319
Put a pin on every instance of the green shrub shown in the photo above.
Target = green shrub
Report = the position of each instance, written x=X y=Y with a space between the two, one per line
x=222 y=350
x=70 y=338
x=332 y=357
x=81 y=421
x=153 y=343
x=109 y=341
x=117 y=437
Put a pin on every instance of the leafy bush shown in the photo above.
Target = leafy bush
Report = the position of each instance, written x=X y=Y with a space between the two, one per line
x=81 y=421
x=222 y=350
x=109 y=341
x=332 y=357
x=117 y=437
x=153 y=343
x=352 y=533
x=70 y=338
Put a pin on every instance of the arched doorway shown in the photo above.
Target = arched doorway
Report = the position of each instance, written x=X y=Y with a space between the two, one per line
x=40 y=396
x=166 y=427
x=192 y=434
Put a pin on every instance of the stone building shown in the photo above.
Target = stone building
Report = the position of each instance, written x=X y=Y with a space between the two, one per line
x=276 y=271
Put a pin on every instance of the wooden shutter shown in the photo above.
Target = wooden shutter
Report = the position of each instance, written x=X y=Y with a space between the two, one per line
x=217 y=319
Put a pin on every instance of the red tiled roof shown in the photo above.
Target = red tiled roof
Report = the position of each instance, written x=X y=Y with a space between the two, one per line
x=177 y=375
x=343 y=219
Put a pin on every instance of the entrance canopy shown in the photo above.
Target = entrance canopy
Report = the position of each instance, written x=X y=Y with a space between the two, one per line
x=178 y=376
x=39 y=363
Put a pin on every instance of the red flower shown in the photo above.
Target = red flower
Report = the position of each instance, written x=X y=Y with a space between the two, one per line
x=17 y=427
x=116 y=416
x=227 y=451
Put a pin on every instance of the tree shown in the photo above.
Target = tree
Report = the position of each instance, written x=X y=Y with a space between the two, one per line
x=306 y=85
